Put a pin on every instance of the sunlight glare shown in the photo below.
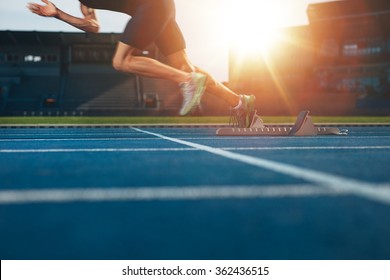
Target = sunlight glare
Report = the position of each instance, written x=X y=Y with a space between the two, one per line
x=252 y=25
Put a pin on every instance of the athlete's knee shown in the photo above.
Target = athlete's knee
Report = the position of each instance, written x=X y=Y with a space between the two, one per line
x=122 y=57
x=117 y=64
x=121 y=64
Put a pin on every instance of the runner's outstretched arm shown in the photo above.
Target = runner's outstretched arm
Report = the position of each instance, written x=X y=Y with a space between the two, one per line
x=89 y=23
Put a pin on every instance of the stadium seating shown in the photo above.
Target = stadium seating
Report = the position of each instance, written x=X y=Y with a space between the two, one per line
x=100 y=92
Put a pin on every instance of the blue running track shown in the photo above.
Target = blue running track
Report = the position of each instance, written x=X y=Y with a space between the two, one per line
x=182 y=193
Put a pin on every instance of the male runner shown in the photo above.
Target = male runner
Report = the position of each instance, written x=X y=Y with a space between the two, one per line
x=154 y=21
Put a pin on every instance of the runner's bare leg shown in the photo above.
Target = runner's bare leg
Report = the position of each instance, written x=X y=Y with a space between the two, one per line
x=180 y=60
x=125 y=61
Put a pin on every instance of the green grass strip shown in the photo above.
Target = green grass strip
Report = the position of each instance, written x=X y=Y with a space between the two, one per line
x=177 y=120
x=112 y=120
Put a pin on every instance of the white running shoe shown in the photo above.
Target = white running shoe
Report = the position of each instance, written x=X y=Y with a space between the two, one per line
x=192 y=92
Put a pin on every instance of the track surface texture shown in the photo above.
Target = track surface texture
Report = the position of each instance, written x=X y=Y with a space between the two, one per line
x=183 y=193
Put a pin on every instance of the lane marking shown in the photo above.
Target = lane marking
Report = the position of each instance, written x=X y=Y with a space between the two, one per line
x=337 y=183
x=75 y=139
x=112 y=150
x=96 y=150
x=308 y=148
x=161 y=193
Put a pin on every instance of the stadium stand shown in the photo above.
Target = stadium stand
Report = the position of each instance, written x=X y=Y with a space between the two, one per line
x=51 y=73
x=100 y=91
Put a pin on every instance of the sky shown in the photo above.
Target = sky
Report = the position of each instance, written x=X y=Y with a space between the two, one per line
x=207 y=25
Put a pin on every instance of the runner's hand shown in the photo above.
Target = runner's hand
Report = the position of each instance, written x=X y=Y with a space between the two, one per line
x=48 y=10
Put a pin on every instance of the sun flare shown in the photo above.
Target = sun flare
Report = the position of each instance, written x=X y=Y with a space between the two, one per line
x=252 y=25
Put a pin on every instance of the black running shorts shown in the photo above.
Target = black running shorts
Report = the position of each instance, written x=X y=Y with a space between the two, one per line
x=152 y=21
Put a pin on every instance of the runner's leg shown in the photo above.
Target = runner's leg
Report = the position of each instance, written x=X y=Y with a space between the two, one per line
x=125 y=61
x=148 y=21
x=172 y=44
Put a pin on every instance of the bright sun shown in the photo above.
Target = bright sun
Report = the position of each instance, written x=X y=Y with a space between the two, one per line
x=252 y=25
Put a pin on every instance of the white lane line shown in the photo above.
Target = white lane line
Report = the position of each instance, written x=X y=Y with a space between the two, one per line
x=334 y=182
x=36 y=135
x=308 y=148
x=96 y=150
x=76 y=139
x=161 y=193
x=113 y=150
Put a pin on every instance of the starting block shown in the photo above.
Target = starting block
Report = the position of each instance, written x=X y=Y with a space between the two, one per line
x=303 y=126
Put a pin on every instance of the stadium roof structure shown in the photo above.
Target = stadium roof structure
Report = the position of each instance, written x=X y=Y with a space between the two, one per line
x=41 y=38
x=347 y=9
